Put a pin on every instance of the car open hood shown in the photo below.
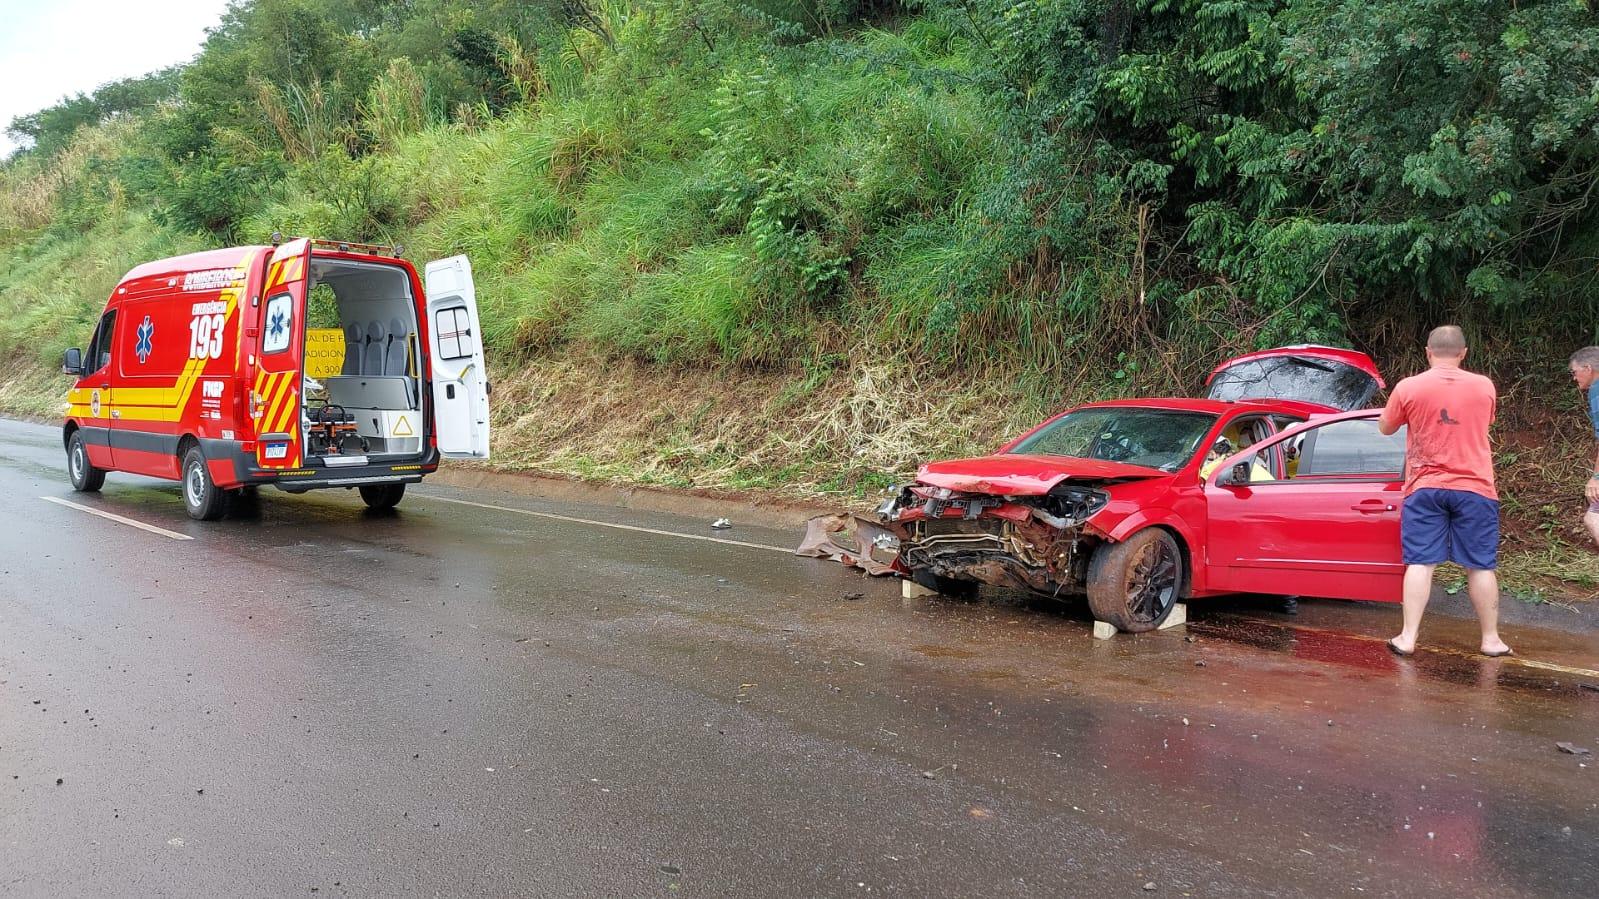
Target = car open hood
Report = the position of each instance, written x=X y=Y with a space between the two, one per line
x=1010 y=474
x=1327 y=376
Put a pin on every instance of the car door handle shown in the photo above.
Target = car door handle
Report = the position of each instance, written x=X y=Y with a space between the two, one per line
x=1373 y=505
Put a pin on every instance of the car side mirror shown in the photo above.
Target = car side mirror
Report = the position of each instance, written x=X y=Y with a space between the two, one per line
x=72 y=362
x=1235 y=475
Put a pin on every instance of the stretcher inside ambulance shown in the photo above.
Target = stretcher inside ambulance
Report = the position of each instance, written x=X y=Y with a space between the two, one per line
x=309 y=364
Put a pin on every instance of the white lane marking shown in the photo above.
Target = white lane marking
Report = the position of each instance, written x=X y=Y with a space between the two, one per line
x=1551 y=666
x=117 y=518
x=608 y=524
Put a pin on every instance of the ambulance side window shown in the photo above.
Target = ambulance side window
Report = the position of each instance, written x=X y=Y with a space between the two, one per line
x=99 y=355
x=277 y=324
x=455 y=333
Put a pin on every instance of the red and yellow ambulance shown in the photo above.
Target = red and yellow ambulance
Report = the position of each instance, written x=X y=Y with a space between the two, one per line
x=304 y=364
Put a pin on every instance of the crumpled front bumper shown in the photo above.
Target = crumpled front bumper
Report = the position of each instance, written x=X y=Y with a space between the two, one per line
x=1037 y=543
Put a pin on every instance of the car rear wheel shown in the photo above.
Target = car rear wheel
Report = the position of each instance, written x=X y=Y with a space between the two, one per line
x=1135 y=584
x=85 y=477
x=202 y=498
x=382 y=496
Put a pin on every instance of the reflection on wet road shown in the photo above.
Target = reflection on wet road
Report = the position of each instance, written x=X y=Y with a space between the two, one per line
x=456 y=699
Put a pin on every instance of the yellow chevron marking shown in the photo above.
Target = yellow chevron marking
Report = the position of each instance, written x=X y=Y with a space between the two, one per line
x=286 y=414
x=278 y=386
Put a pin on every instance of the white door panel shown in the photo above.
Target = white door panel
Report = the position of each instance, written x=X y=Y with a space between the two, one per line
x=455 y=342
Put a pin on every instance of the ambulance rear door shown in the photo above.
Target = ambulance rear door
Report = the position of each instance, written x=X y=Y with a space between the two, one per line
x=279 y=348
x=455 y=342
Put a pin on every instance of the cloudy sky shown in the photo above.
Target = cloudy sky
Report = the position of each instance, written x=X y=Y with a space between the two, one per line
x=50 y=49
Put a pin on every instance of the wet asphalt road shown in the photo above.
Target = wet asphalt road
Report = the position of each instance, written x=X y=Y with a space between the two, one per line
x=459 y=700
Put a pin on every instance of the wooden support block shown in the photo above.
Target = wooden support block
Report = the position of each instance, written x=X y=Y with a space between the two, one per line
x=1179 y=615
x=909 y=589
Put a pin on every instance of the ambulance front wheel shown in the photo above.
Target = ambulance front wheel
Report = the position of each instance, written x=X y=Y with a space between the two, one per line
x=203 y=499
x=85 y=477
x=382 y=496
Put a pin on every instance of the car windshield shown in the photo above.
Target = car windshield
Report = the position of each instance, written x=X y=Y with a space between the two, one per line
x=1154 y=438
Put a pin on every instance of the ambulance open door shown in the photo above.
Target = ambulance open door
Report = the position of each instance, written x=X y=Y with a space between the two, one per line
x=455 y=341
x=279 y=349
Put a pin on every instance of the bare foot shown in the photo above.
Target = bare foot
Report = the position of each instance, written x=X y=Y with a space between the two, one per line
x=1400 y=646
x=1496 y=648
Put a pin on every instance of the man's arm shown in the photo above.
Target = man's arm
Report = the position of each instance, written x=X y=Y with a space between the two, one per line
x=1592 y=488
x=1393 y=414
x=1592 y=491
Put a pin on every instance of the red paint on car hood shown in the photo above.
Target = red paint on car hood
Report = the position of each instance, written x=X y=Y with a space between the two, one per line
x=1023 y=475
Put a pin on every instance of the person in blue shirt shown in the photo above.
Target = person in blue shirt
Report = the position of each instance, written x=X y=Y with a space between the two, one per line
x=1585 y=371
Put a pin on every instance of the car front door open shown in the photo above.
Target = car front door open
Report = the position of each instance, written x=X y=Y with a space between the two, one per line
x=455 y=344
x=1329 y=527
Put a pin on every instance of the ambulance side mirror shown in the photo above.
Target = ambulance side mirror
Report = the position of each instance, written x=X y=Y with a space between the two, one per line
x=72 y=363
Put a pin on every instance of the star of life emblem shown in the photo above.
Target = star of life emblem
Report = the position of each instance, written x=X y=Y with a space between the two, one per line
x=144 y=346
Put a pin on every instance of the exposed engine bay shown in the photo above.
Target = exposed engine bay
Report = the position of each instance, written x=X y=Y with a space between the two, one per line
x=1041 y=543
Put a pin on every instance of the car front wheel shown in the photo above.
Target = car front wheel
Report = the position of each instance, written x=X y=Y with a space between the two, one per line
x=1135 y=584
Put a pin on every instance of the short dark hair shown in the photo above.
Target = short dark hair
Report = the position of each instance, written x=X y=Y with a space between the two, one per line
x=1447 y=340
x=1587 y=356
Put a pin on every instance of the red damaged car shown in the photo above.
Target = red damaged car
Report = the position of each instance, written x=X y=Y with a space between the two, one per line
x=1270 y=485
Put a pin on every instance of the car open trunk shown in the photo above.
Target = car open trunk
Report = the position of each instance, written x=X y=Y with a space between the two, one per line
x=372 y=406
x=1327 y=376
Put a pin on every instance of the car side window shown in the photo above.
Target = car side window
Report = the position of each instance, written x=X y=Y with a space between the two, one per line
x=1240 y=434
x=99 y=355
x=1352 y=448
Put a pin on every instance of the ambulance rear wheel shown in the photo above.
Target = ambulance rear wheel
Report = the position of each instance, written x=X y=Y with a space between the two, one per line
x=203 y=499
x=382 y=496
x=85 y=477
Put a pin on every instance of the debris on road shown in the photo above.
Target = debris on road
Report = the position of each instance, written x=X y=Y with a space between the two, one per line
x=721 y=524
x=1573 y=749
x=856 y=541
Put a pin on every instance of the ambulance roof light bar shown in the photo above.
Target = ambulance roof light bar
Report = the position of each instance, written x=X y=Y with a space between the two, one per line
x=371 y=249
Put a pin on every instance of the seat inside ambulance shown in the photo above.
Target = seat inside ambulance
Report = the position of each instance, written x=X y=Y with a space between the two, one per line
x=377 y=388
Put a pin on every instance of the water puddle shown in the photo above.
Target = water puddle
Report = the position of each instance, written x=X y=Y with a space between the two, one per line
x=1368 y=653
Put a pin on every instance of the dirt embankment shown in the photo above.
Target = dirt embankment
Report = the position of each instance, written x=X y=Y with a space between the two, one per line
x=846 y=431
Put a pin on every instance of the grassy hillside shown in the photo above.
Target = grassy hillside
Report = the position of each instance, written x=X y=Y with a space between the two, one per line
x=800 y=246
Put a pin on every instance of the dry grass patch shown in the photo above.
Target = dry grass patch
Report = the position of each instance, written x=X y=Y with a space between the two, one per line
x=834 y=432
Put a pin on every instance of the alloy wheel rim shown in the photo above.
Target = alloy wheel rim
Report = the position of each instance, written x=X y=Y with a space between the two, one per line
x=1152 y=588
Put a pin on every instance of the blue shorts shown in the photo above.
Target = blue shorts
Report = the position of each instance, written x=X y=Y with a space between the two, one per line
x=1457 y=526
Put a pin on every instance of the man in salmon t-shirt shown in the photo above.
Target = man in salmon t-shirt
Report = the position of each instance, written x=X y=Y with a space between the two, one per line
x=1451 y=511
